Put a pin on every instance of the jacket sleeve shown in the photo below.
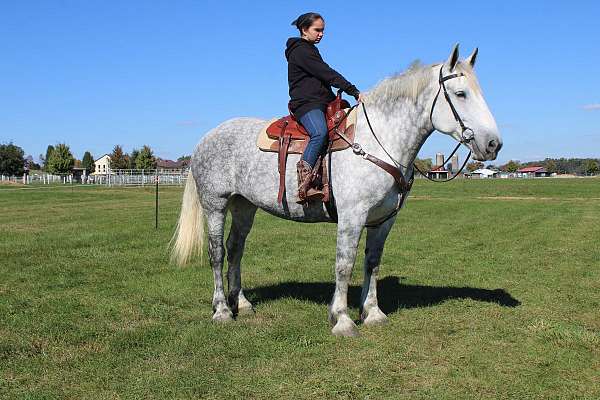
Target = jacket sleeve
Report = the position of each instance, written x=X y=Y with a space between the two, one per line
x=311 y=62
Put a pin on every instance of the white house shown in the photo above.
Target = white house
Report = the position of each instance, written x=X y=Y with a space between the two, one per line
x=484 y=173
x=102 y=165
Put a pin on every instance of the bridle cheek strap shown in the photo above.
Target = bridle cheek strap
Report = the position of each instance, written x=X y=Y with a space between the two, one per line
x=442 y=79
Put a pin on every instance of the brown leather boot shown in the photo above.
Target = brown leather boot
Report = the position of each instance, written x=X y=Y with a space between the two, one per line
x=306 y=191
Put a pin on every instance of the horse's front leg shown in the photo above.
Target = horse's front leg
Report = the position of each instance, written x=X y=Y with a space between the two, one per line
x=348 y=236
x=370 y=312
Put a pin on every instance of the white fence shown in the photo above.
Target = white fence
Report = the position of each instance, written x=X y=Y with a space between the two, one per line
x=138 y=177
x=44 y=179
x=120 y=177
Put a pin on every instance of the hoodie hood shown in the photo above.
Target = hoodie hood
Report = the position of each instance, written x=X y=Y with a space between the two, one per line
x=291 y=44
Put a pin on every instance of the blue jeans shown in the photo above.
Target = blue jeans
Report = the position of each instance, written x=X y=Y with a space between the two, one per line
x=316 y=126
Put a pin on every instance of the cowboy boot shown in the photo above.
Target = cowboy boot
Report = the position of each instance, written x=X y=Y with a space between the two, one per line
x=306 y=191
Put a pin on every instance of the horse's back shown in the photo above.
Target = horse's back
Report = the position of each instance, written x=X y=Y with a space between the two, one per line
x=224 y=155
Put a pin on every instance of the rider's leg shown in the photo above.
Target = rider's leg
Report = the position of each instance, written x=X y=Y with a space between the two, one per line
x=316 y=126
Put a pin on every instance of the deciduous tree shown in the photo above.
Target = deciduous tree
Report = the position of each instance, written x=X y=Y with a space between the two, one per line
x=591 y=167
x=512 y=166
x=474 y=165
x=145 y=160
x=424 y=164
x=550 y=165
x=61 y=160
x=12 y=159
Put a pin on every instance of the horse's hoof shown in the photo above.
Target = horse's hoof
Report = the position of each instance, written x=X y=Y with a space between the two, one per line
x=375 y=317
x=244 y=306
x=223 y=316
x=345 y=327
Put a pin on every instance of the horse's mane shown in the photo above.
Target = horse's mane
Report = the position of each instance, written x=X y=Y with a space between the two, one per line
x=410 y=83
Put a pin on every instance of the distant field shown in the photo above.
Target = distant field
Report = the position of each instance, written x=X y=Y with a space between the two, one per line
x=492 y=289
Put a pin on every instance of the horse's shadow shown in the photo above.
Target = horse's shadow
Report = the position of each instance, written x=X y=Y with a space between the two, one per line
x=391 y=293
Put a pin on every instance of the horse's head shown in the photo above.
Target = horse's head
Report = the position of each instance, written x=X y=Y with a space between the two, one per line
x=478 y=129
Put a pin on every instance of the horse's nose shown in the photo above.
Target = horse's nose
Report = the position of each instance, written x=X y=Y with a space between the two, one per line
x=494 y=146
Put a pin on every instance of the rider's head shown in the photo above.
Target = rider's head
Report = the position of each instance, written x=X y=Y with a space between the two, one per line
x=311 y=26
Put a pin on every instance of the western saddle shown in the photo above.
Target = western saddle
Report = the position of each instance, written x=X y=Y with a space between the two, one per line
x=286 y=135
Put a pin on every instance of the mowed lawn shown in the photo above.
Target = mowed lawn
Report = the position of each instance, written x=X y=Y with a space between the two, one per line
x=492 y=289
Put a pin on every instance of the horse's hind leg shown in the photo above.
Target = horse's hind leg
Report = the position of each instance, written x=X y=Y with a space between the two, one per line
x=242 y=217
x=370 y=312
x=215 y=219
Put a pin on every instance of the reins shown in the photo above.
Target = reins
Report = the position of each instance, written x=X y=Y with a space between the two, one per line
x=395 y=170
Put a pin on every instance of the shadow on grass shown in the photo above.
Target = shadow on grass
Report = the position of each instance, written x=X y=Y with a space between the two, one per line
x=392 y=294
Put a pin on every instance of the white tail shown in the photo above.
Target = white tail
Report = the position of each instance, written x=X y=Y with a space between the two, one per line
x=188 y=239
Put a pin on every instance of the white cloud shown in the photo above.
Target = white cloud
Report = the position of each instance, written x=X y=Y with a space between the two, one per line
x=590 y=107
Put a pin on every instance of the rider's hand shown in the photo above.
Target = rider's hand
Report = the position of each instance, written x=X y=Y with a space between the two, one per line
x=361 y=98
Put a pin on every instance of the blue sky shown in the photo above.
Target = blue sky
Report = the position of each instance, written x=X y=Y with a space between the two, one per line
x=98 y=73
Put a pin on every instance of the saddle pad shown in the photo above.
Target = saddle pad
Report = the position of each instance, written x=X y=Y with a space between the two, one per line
x=265 y=143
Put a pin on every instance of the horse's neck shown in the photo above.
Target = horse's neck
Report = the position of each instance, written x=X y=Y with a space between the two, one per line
x=402 y=127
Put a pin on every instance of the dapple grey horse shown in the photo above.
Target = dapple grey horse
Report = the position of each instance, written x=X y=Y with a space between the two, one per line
x=228 y=172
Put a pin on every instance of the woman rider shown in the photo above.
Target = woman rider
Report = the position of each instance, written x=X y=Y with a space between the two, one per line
x=310 y=80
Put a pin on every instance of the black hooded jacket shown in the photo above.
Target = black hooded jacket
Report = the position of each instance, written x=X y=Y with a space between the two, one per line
x=310 y=79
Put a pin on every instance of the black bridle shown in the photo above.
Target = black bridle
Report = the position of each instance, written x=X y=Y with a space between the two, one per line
x=463 y=127
x=396 y=171
x=464 y=139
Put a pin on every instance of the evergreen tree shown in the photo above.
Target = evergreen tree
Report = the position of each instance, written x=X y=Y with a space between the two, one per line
x=88 y=162
x=12 y=159
x=132 y=158
x=61 y=160
x=145 y=160
x=118 y=159
x=49 y=151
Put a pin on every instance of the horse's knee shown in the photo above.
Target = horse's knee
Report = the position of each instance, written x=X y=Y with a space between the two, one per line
x=373 y=257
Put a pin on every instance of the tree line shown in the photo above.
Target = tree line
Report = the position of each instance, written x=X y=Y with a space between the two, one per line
x=60 y=160
x=575 y=166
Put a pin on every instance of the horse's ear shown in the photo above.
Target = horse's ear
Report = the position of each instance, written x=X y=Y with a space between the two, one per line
x=453 y=59
x=472 y=58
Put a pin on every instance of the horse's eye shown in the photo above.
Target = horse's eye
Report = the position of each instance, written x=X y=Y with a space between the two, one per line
x=461 y=94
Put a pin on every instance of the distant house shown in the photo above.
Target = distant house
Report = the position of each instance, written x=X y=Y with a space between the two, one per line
x=169 y=165
x=438 y=173
x=533 y=171
x=484 y=173
x=102 y=165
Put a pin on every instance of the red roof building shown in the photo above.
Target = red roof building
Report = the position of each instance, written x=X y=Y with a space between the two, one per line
x=438 y=173
x=533 y=171
x=168 y=164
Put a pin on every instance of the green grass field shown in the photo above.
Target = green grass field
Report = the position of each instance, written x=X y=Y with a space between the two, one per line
x=492 y=289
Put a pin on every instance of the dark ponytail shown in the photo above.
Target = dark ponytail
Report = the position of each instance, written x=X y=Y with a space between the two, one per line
x=306 y=20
